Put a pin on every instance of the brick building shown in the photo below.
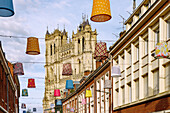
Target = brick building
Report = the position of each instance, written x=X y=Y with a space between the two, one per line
x=9 y=86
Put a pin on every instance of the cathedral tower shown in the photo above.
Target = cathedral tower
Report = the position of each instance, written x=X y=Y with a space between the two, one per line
x=78 y=51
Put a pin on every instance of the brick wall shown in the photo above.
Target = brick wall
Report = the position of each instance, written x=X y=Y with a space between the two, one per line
x=147 y=107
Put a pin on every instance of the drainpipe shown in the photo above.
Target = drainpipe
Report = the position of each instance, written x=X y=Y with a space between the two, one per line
x=7 y=92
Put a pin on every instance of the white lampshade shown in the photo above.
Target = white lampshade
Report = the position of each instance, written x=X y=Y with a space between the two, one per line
x=116 y=71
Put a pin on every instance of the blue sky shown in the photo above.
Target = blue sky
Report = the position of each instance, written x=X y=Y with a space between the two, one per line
x=32 y=18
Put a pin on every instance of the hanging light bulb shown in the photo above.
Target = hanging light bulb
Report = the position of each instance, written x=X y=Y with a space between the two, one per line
x=101 y=11
x=6 y=8
x=32 y=46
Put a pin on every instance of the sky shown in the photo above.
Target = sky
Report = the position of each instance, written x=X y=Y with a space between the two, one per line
x=32 y=17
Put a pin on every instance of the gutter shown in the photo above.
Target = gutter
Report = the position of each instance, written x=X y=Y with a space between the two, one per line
x=3 y=109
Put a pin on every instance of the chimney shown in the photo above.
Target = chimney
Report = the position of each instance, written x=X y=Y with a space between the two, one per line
x=134 y=5
x=98 y=63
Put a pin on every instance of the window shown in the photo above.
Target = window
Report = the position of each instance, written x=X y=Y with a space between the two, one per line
x=156 y=82
x=156 y=36
x=83 y=44
x=167 y=77
x=149 y=4
x=146 y=46
x=145 y=85
x=92 y=91
x=54 y=48
x=129 y=92
x=123 y=95
x=168 y=29
x=51 y=49
x=137 y=52
x=117 y=97
x=130 y=57
x=137 y=89
x=78 y=46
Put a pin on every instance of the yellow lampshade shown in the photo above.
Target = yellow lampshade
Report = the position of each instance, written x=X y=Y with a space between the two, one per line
x=88 y=93
x=32 y=46
x=101 y=11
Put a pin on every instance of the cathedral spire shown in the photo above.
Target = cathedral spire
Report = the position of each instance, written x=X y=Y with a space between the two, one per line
x=47 y=33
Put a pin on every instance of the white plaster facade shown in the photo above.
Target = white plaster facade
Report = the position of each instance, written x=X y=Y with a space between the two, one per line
x=143 y=76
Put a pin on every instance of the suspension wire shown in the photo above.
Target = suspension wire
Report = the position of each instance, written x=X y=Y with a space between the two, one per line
x=23 y=37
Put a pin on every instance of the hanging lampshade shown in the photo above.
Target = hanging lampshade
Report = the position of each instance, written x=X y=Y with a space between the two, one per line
x=31 y=83
x=59 y=103
x=34 y=109
x=69 y=84
x=72 y=110
x=161 y=50
x=57 y=92
x=53 y=110
x=100 y=51
x=11 y=68
x=101 y=11
x=18 y=69
x=32 y=46
x=88 y=93
x=67 y=70
x=108 y=84
x=24 y=111
x=52 y=105
x=65 y=90
x=116 y=71
x=6 y=8
x=68 y=106
x=83 y=101
x=23 y=106
x=24 y=92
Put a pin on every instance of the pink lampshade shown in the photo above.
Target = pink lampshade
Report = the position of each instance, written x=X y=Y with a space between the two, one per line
x=57 y=93
x=83 y=101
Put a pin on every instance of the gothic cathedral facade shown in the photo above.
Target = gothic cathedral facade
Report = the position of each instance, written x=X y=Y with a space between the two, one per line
x=79 y=51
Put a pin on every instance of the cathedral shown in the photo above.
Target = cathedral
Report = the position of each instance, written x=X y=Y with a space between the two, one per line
x=77 y=51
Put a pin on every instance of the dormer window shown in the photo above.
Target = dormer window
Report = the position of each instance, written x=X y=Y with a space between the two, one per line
x=148 y=4
x=139 y=14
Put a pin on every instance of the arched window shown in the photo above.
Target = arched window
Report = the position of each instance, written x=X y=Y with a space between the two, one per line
x=78 y=46
x=51 y=50
x=75 y=71
x=79 y=66
x=83 y=44
x=54 y=48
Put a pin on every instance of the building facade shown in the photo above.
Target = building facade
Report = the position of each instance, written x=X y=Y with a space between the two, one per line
x=144 y=85
x=101 y=98
x=78 y=51
x=9 y=88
